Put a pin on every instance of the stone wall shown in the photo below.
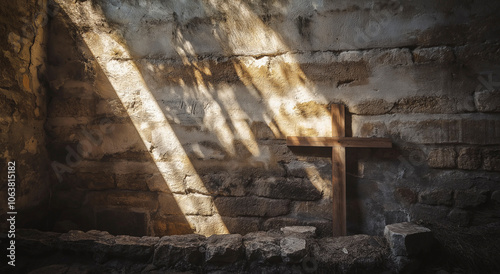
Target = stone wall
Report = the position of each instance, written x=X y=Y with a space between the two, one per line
x=170 y=118
x=23 y=111
x=274 y=252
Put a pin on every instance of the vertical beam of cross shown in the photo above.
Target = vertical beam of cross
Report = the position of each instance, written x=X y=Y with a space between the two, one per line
x=338 y=172
x=338 y=142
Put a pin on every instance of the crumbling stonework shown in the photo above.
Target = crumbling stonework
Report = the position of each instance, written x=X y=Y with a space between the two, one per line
x=171 y=117
x=273 y=252
x=23 y=28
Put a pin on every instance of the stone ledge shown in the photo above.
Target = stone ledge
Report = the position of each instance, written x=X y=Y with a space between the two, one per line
x=272 y=250
x=258 y=250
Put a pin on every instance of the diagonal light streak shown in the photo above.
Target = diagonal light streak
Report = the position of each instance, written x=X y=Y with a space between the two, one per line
x=146 y=115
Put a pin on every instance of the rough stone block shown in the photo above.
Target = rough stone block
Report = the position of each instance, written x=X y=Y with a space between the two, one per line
x=201 y=151
x=372 y=107
x=241 y=225
x=119 y=140
x=95 y=181
x=196 y=204
x=427 y=104
x=487 y=100
x=207 y=225
x=62 y=132
x=71 y=107
x=436 y=197
x=224 y=248
x=434 y=54
x=167 y=205
x=157 y=183
x=281 y=152
x=100 y=244
x=406 y=195
x=394 y=57
x=470 y=198
x=132 y=181
x=117 y=167
x=481 y=53
x=429 y=129
x=262 y=131
x=408 y=239
x=122 y=222
x=286 y=188
x=251 y=206
x=469 y=158
x=342 y=71
x=293 y=249
x=222 y=183
x=357 y=253
x=310 y=209
x=299 y=231
x=259 y=169
x=193 y=204
x=236 y=180
x=442 y=158
x=128 y=199
x=324 y=227
x=491 y=159
x=171 y=225
x=303 y=169
x=428 y=212
x=180 y=251
x=113 y=107
x=459 y=216
x=262 y=247
x=394 y=216
x=479 y=131
x=133 y=248
x=91 y=241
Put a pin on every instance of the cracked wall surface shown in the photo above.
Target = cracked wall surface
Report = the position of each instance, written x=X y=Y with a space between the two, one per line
x=23 y=110
x=170 y=117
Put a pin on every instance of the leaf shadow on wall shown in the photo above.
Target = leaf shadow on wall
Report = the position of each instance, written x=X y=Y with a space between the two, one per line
x=230 y=115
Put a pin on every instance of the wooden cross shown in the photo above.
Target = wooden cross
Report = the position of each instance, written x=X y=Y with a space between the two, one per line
x=338 y=143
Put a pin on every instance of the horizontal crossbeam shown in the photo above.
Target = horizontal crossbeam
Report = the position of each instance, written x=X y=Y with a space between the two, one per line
x=338 y=142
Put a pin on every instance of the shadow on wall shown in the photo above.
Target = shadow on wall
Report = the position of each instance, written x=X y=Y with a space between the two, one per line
x=106 y=178
x=205 y=153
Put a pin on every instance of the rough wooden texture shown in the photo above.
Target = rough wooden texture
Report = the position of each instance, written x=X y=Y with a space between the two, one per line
x=338 y=172
x=338 y=141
